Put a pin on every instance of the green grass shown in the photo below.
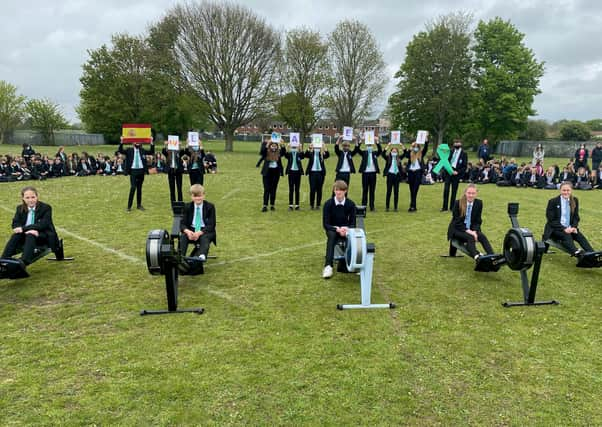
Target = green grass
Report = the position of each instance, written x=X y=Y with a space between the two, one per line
x=271 y=347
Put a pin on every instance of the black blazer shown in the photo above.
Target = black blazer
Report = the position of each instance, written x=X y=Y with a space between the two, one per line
x=461 y=164
x=341 y=154
x=457 y=222
x=553 y=215
x=375 y=155
x=309 y=155
x=200 y=159
x=289 y=164
x=329 y=221
x=42 y=223
x=179 y=165
x=208 y=219
x=389 y=160
x=129 y=157
x=266 y=164
x=408 y=153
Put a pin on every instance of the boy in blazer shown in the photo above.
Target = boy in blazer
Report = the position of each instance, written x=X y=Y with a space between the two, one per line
x=369 y=170
x=345 y=166
x=458 y=159
x=466 y=222
x=562 y=216
x=136 y=167
x=198 y=223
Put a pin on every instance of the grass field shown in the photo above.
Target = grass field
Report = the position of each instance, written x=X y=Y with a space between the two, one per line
x=271 y=348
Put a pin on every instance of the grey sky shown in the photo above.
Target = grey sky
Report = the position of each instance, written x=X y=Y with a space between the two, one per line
x=43 y=43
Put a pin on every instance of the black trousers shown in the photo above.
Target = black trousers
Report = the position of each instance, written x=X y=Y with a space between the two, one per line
x=332 y=238
x=270 y=185
x=196 y=176
x=452 y=181
x=414 y=180
x=316 y=183
x=27 y=241
x=392 y=187
x=343 y=176
x=567 y=240
x=175 y=182
x=201 y=245
x=294 y=184
x=136 y=180
x=368 y=188
x=471 y=244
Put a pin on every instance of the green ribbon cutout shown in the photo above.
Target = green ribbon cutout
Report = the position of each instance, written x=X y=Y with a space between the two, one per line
x=443 y=153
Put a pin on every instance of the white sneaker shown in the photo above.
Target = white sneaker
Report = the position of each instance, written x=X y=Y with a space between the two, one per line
x=202 y=257
x=327 y=273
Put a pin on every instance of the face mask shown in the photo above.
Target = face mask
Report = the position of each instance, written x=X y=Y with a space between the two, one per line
x=316 y=150
x=415 y=149
x=457 y=146
x=137 y=146
x=393 y=154
x=293 y=149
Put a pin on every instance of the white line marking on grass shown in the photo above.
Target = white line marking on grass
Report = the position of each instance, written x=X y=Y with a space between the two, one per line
x=230 y=193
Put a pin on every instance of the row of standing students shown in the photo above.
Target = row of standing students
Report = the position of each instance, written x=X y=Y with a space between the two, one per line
x=272 y=155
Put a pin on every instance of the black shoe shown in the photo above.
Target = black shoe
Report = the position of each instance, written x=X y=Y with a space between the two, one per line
x=272 y=208
x=443 y=210
x=290 y=208
x=386 y=209
x=128 y=209
x=395 y=210
x=264 y=209
x=141 y=208
x=297 y=207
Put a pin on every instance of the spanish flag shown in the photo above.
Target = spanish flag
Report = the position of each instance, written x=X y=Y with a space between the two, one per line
x=132 y=133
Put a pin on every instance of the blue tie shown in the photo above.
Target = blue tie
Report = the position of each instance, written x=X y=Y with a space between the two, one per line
x=317 y=167
x=566 y=217
x=198 y=221
x=468 y=214
x=137 y=161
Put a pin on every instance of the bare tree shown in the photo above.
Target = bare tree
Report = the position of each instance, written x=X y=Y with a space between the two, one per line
x=229 y=56
x=303 y=77
x=357 y=73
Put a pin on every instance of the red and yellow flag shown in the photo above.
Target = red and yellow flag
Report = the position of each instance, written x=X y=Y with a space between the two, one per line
x=132 y=132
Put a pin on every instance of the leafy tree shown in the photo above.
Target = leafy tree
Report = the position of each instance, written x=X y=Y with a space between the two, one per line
x=536 y=130
x=434 y=91
x=575 y=130
x=12 y=108
x=595 y=124
x=113 y=86
x=357 y=77
x=229 y=57
x=45 y=117
x=507 y=76
x=303 y=77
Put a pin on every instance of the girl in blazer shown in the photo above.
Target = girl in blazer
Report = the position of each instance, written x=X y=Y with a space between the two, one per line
x=392 y=171
x=415 y=156
x=369 y=169
x=272 y=170
x=316 y=172
x=294 y=170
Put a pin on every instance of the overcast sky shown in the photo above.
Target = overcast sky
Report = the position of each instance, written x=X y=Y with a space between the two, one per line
x=43 y=43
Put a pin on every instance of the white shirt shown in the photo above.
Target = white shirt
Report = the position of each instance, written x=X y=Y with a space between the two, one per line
x=345 y=166
x=337 y=203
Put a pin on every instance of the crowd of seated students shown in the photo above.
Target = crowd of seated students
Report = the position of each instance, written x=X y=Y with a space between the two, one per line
x=35 y=166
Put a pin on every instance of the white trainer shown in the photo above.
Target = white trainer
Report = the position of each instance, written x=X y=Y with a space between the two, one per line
x=202 y=257
x=327 y=273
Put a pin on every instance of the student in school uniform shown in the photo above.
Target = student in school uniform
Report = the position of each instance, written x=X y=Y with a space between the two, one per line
x=344 y=153
x=369 y=170
x=136 y=167
x=294 y=170
x=466 y=222
x=415 y=155
x=32 y=226
x=392 y=172
x=272 y=170
x=458 y=160
x=198 y=224
x=175 y=170
x=316 y=172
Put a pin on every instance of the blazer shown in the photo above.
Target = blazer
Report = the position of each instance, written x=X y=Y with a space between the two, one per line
x=375 y=155
x=208 y=219
x=408 y=155
x=266 y=164
x=341 y=154
x=462 y=162
x=309 y=155
x=553 y=216
x=200 y=159
x=457 y=222
x=179 y=165
x=129 y=157
x=329 y=221
x=389 y=160
x=289 y=164
x=42 y=223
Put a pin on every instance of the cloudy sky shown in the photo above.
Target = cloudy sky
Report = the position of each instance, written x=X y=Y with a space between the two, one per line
x=43 y=44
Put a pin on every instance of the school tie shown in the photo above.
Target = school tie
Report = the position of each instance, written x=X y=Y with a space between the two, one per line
x=394 y=168
x=173 y=160
x=137 y=160
x=31 y=217
x=369 y=163
x=317 y=166
x=468 y=214
x=294 y=167
x=566 y=216
x=455 y=158
x=198 y=221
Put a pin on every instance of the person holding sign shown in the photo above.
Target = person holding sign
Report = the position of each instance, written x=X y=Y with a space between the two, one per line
x=369 y=168
x=458 y=160
x=198 y=223
x=294 y=170
x=465 y=225
x=272 y=170
x=345 y=166
x=175 y=168
x=194 y=150
x=136 y=167
x=392 y=171
x=337 y=217
x=416 y=166
x=316 y=170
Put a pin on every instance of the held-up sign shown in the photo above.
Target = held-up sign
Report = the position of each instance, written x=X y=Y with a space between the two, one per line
x=369 y=137
x=294 y=138
x=347 y=133
x=421 y=136
x=316 y=140
x=132 y=133
x=395 y=137
x=193 y=139
x=276 y=137
x=173 y=142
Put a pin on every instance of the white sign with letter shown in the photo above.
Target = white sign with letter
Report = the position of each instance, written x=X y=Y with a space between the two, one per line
x=294 y=138
x=395 y=137
x=316 y=140
x=173 y=142
x=276 y=137
x=369 y=137
x=347 y=133
x=421 y=136
x=193 y=139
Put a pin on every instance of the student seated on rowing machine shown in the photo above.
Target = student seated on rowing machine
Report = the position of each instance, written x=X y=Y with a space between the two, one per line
x=338 y=216
x=198 y=224
x=465 y=225
x=32 y=227
x=562 y=214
